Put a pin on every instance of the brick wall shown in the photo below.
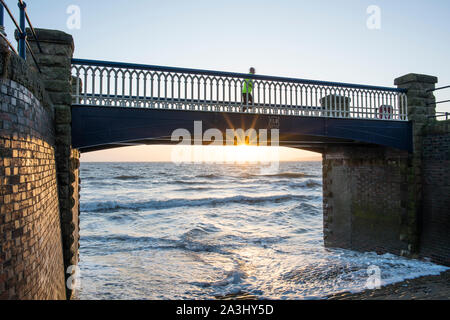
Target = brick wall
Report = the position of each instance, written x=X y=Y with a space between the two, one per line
x=435 y=239
x=365 y=199
x=55 y=63
x=31 y=260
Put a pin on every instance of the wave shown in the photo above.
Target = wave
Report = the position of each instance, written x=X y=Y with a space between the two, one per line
x=349 y=272
x=309 y=184
x=138 y=243
x=308 y=208
x=89 y=178
x=128 y=177
x=188 y=182
x=199 y=189
x=232 y=277
x=289 y=175
x=114 y=206
x=199 y=231
x=197 y=239
x=209 y=176
x=267 y=241
x=313 y=184
x=247 y=175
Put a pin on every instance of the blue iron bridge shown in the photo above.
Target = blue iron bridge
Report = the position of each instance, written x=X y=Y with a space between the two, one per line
x=120 y=104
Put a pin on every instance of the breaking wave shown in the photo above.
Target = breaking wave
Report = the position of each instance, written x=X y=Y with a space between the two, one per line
x=113 y=206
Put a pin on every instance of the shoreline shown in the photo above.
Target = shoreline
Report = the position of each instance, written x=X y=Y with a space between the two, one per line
x=431 y=287
x=435 y=287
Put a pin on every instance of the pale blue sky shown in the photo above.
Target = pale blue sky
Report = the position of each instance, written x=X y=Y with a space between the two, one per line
x=321 y=39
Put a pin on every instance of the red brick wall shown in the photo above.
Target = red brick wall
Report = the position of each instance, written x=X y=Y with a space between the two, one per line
x=31 y=259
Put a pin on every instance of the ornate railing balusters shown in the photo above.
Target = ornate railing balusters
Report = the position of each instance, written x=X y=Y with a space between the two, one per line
x=77 y=86
x=127 y=85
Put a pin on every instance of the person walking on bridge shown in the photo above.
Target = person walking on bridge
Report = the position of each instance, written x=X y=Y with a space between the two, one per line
x=247 y=90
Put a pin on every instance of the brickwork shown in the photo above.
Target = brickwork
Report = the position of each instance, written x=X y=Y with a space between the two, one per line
x=420 y=108
x=55 y=63
x=31 y=263
x=377 y=199
x=73 y=244
x=364 y=199
x=435 y=231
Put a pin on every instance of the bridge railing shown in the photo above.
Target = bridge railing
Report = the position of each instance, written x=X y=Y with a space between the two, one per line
x=20 y=29
x=439 y=115
x=113 y=84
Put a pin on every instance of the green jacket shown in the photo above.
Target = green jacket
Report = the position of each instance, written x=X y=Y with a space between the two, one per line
x=248 y=86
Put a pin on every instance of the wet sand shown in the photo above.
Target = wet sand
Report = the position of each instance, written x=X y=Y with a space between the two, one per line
x=423 y=288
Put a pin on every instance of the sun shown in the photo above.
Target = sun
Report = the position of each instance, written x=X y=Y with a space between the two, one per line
x=244 y=153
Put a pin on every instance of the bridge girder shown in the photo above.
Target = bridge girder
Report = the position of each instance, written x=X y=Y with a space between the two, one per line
x=97 y=128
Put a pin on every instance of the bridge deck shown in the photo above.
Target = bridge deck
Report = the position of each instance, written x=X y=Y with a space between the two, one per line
x=117 y=103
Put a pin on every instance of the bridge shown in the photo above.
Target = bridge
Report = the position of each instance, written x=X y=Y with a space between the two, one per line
x=384 y=155
x=119 y=104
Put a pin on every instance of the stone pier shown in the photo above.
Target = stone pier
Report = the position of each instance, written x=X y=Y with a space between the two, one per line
x=384 y=200
x=55 y=65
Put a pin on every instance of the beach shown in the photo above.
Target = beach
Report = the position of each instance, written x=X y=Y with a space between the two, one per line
x=422 y=288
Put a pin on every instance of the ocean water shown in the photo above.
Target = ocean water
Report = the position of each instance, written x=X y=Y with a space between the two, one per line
x=206 y=231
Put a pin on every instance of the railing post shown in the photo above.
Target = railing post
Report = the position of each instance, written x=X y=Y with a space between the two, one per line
x=2 y=19
x=23 y=34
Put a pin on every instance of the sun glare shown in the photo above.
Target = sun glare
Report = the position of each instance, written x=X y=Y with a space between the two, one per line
x=197 y=154
x=244 y=153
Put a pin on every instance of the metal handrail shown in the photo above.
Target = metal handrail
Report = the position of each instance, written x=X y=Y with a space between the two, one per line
x=118 y=84
x=21 y=29
x=98 y=63
x=11 y=15
x=9 y=43
x=31 y=26
x=441 y=114
x=436 y=89
x=438 y=102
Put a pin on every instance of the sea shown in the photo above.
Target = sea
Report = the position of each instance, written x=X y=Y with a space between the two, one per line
x=156 y=231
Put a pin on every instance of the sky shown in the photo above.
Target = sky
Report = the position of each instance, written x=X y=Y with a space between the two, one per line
x=321 y=40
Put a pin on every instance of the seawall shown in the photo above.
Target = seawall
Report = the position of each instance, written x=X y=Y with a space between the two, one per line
x=31 y=259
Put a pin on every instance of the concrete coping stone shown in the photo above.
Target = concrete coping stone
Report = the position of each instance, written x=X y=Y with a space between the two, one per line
x=415 y=77
x=49 y=36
